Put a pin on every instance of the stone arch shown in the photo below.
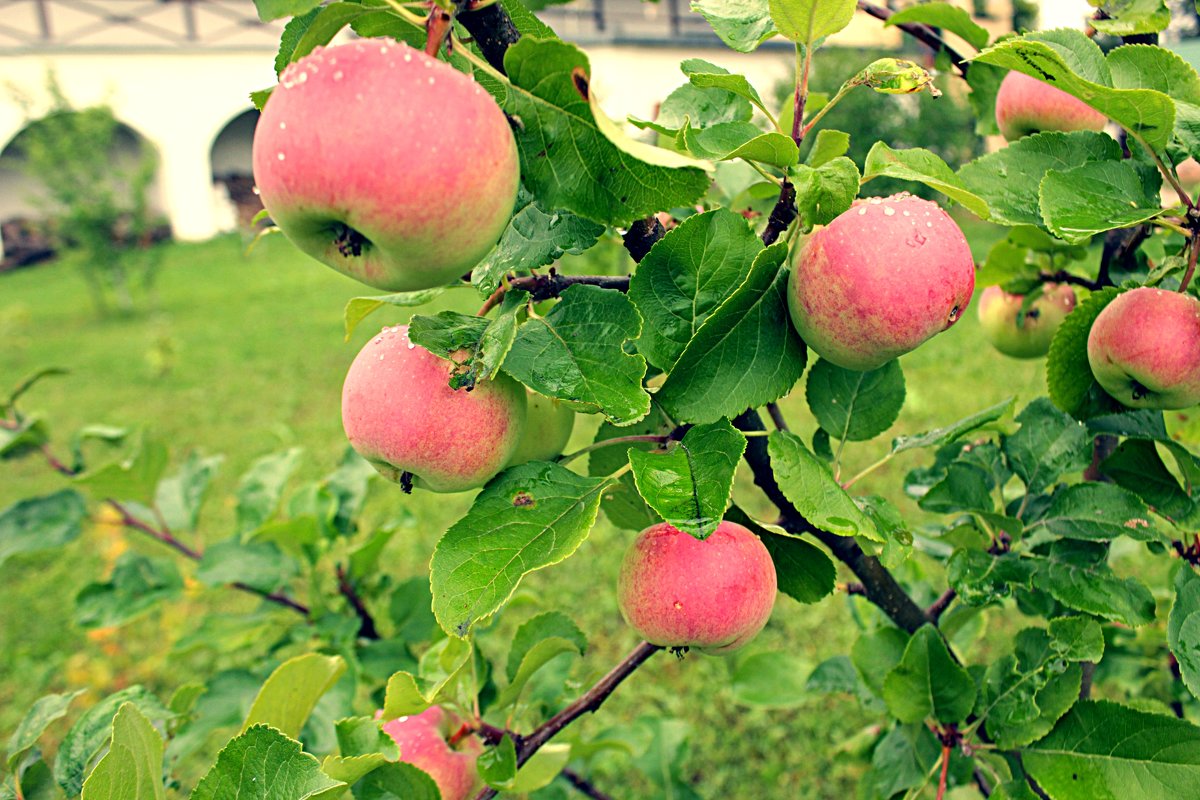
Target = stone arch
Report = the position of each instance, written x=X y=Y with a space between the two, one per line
x=233 y=172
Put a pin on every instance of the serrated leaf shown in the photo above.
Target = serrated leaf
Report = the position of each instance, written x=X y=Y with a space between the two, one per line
x=277 y=9
x=1137 y=466
x=1078 y=203
x=1068 y=374
x=1133 y=17
x=741 y=24
x=535 y=629
x=393 y=781
x=1023 y=700
x=133 y=478
x=1010 y=178
x=745 y=354
x=687 y=275
x=530 y=517
x=263 y=764
x=534 y=659
x=132 y=769
x=828 y=145
x=1076 y=638
x=980 y=578
x=730 y=140
x=476 y=345
x=964 y=487
x=359 y=308
x=321 y=28
x=568 y=157
x=1077 y=575
x=927 y=682
x=349 y=769
x=1075 y=64
x=855 y=406
x=1097 y=511
x=1142 y=66
x=91 y=732
x=923 y=166
x=945 y=16
x=939 y=437
x=497 y=764
x=291 y=692
x=689 y=485
x=621 y=502
x=806 y=21
x=41 y=523
x=1102 y=749
x=359 y=736
x=803 y=571
x=260 y=488
x=825 y=192
x=807 y=482
x=137 y=585
x=1048 y=444
x=1183 y=627
x=576 y=353
x=41 y=714
x=406 y=695
x=706 y=75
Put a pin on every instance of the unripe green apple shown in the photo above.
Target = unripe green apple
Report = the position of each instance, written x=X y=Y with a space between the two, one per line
x=1144 y=349
x=713 y=595
x=548 y=425
x=423 y=743
x=388 y=165
x=1025 y=335
x=1025 y=105
x=401 y=415
x=879 y=280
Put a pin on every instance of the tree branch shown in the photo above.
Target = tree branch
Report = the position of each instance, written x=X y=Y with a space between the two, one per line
x=922 y=33
x=939 y=606
x=366 y=627
x=782 y=214
x=583 y=785
x=551 y=284
x=491 y=29
x=879 y=585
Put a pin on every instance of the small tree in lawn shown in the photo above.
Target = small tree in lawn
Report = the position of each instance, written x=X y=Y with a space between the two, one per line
x=459 y=147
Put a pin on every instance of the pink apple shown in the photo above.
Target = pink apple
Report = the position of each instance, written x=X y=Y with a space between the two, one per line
x=1025 y=335
x=1025 y=105
x=1144 y=349
x=401 y=415
x=423 y=743
x=713 y=595
x=387 y=165
x=879 y=280
x=548 y=425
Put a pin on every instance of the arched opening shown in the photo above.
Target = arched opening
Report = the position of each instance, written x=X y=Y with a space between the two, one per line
x=233 y=173
x=48 y=171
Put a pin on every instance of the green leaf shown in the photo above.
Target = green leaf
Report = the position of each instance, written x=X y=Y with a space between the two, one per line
x=498 y=764
x=541 y=768
x=1076 y=638
x=260 y=564
x=41 y=714
x=746 y=353
x=742 y=24
x=1022 y=702
x=689 y=485
x=939 y=437
x=293 y=689
x=803 y=571
x=41 y=523
x=825 y=192
x=1077 y=575
x=1183 y=628
x=1074 y=63
x=1136 y=465
x=1133 y=17
x=134 y=478
x=1142 y=66
x=828 y=145
x=534 y=237
x=572 y=156
x=1048 y=444
x=538 y=656
x=277 y=9
x=1098 y=511
x=349 y=769
x=91 y=732
x=706 y=75
x=697 y=106
x=138 y=583
x=1068 y=374
x=922 y=166
x=855 y=406
x=927 y=682
x=396 y=781
x=179 y=497
x=260 y=488
x=132 y=769
x=980 y=578
x=360 y=736
x=965 y=487
x=806 y=21
x=1105 y=750
x=530 y=517
x=441 y=664
x=770 y=680
x=1010 y=179
x=902 y=760
x=621 y=502
x=320 y=31
x=576 y=353
x=876 y=654
x=551 y=624
x=263 y=764
x=686 y=276
x=28 y=435
x=359 y=308
x=1078 y=203
x=945 y=16
x=807 y=482
x=476 y=345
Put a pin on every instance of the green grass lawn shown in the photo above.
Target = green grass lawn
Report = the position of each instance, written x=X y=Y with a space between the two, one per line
x=244 y=355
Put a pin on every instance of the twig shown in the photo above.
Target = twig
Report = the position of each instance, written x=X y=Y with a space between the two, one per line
x=777 y=416
x=1119 y=248
x=941 y=792
x=1088 y=670
x=366 y=627
x=543 y=287
x=648 y=437
x=583 y=785
x=922 y=33
x=1062 y=276
x=939 y=606
x=1194 y=252
x=782 y=214
x=56 y=465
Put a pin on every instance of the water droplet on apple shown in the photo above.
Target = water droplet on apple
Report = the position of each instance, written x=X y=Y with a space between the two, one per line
x=283 y=126
x=408 y=56
x=431 y=81
x=337 y=76
x=281 y=156
x=888 y=211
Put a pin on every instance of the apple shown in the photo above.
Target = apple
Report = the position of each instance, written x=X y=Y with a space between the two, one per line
x=712 y=595
x=548 y=425
x=1025 y=105
x=423 y=743
x=880 y=279
x=385 y=164
x=401 y=415
x=1025 y=335
x=1144 y=349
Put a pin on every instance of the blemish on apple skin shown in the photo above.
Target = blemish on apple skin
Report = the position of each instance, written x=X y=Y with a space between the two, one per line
x=917 y=240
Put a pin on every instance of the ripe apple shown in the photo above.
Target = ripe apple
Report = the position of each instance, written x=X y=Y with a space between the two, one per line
x=548 y=425
x=713 y=595
x=1144 y=349
x=1025 y=335
x=879 y=280
x=388 y=165
x=422 y=741
x=401 y=415
x=1025 y=105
